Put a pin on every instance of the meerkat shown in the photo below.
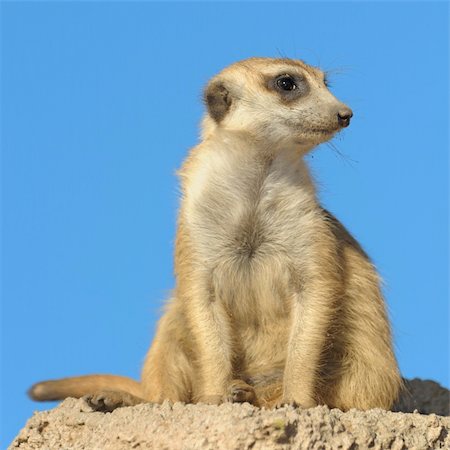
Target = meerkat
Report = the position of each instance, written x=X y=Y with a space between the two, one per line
x=275 y=302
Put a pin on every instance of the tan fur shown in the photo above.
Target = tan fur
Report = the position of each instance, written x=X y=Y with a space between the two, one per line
x=275 y=302
x=80 y=386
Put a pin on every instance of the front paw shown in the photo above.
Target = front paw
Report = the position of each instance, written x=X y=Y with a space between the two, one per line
x=289 y=401
x=240 y=392
x=284 y=402
x=211 y=399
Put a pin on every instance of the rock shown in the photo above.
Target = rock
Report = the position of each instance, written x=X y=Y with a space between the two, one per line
x=73 y=425
x=425 y=396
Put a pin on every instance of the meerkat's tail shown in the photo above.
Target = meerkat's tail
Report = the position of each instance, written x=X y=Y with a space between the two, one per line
x=77 y=387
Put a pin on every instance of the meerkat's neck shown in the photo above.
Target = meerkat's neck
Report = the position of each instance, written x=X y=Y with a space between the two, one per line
x=227 y=155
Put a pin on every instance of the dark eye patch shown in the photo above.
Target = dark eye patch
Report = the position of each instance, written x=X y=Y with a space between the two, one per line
x=289 y=87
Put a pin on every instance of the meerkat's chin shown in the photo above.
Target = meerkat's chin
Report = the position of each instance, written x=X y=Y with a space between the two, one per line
x=312 y=139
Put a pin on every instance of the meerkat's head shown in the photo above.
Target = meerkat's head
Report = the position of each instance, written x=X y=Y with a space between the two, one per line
x=282 y=101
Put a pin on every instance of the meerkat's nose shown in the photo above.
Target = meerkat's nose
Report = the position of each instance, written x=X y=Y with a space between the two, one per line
x=344 y=116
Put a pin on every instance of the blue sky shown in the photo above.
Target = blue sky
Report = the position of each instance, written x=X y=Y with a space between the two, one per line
x=100 y=104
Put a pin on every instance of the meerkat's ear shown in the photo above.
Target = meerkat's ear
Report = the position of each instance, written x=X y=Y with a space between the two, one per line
x=218 y=100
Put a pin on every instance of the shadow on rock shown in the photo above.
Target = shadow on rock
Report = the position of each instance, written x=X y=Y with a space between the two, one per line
x=425 y=396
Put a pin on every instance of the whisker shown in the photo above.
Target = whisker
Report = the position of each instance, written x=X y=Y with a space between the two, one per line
x=280 y=53
x=349 y=161
x=342 y=70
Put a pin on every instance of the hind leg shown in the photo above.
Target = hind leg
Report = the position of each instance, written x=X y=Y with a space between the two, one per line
x=366 y=386
x=168 y=372
x=362 y=371
x=368 y=374
x=167 y=375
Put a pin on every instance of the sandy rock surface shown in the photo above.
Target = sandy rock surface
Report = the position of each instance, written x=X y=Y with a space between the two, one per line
x=73 y=425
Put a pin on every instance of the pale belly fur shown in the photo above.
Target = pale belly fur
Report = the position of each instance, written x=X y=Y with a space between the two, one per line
x=246 y=221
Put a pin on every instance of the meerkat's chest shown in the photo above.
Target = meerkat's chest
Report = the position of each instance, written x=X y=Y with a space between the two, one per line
x=244 y=215
x=245 y=224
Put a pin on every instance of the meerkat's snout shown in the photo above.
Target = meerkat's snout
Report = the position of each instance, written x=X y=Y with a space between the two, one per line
x=344 y=116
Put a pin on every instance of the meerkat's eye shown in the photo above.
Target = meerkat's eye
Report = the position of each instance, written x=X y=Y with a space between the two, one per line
x=286 y=83
x=287 y=87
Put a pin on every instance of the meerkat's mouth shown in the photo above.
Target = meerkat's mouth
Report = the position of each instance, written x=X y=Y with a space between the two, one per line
x=320 y=134
x=323 y=130
x=316 y=136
